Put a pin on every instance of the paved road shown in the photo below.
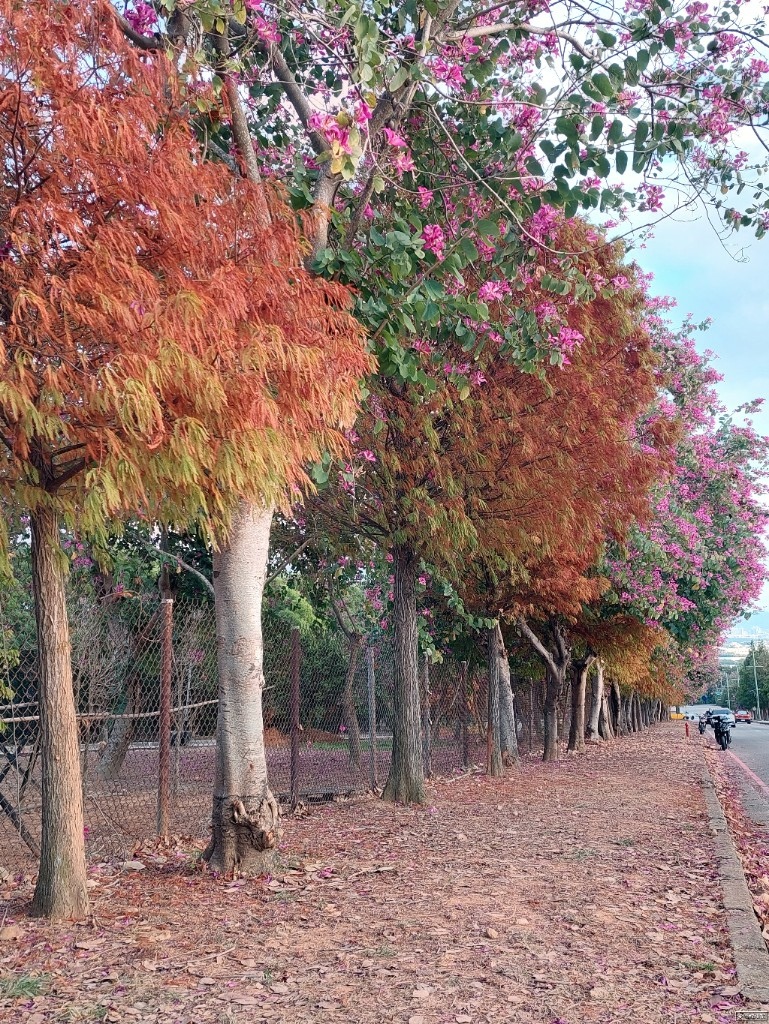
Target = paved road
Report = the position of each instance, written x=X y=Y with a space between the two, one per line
x=751 y=744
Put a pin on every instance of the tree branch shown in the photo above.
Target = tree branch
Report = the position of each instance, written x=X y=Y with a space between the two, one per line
x=148 y=546
x=143 y=42
x=536 y=643
x=296 y=98
x=287 y=561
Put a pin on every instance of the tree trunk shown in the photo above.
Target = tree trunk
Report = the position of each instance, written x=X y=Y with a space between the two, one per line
x=245 y=817
x=553 y=690
x=508 y=731
x=406 y=783
x=349 y=710
x=596 y=701
x=579 y=676
x=61 y=890
x=616 y=707
x=504 y=739
x=121 y=735
x=605 y=723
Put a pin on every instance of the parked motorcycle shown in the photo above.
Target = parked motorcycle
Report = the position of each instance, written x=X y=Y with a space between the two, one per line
x=723 y=731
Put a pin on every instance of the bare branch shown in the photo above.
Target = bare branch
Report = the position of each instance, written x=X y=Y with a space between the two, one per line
x=524 y=628
x=297 y=98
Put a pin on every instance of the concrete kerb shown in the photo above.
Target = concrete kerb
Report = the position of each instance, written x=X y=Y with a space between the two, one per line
x=750 y=953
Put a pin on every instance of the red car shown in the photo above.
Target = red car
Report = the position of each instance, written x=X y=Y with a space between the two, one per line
x=743 y=716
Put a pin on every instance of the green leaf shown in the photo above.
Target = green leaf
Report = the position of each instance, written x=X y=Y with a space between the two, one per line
x=621 y=161
x=399 y=78
x=669 y=38
x=606 y=37
x=533 y=166
x=615 y=132
x=596 y=127
x=603 y=84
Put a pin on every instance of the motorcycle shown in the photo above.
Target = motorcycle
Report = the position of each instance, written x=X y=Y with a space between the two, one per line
x=723 y=733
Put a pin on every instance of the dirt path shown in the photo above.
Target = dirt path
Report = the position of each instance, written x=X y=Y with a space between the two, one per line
x=583 y=892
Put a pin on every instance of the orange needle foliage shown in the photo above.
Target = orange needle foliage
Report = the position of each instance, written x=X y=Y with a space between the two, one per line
x=159 y=353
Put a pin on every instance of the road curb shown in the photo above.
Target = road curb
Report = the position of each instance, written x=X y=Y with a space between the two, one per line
x=750 y=953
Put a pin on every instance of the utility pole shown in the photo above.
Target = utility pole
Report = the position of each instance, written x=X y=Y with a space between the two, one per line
x=755 y=681
x=728 y=694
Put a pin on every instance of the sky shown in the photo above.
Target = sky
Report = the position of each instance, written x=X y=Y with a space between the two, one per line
x=730 y=283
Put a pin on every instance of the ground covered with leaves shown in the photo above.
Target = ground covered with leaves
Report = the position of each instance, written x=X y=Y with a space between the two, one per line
x=581 y=892
x=750 y=838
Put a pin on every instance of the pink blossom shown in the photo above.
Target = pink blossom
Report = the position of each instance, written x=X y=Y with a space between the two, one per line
x=403 y=162
x=142 y=18
x=424 y=197
x=393 y=139
x=434 y=241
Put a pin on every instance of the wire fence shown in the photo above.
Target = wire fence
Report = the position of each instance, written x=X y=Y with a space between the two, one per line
x=145 y=681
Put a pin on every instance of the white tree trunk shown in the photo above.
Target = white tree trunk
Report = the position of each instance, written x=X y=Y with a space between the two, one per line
x=593 y=733
x=245 y=818
x=504 y=736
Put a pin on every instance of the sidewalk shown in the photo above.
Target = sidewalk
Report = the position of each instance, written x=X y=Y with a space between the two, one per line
x=582 y=892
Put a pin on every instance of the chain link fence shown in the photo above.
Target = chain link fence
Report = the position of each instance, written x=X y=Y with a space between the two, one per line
x=145 y=680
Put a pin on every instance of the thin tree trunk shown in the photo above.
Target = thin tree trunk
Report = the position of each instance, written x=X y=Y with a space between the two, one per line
x=616 y=707
x=553 y=690
x=605 y=723
x=406 y=782
x=121 y=735
x=578 y=691
x=509 y=733
x=494 y=767
x=245 y=816
x=596 y=700
x=348 y=703
x=61 y=890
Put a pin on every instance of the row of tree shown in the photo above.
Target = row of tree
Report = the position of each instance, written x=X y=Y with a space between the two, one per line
x=181 y=345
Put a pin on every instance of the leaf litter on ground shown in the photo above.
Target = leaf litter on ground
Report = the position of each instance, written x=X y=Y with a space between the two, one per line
x=581 y=891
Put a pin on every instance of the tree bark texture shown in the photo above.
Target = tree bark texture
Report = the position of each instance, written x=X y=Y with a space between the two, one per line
x=554 y=687
x=580 y=671
x=606 y=719
x=61 y=891
x=616 y=708
x=596 y=700
x=500 y=666
x=494 y=767
x=406 y=782
x=349 y=711
x=245 y=816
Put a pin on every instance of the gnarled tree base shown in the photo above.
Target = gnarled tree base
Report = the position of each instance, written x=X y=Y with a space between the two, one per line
x=404 y=791
x=246 y=833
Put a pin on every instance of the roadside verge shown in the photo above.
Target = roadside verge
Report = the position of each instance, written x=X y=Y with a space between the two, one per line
x=750 y=952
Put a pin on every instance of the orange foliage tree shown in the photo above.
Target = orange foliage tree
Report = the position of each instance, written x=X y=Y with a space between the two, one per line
x=557 y=465
x=162 y=351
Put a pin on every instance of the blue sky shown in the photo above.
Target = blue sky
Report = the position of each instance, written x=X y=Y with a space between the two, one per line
x=730 y=283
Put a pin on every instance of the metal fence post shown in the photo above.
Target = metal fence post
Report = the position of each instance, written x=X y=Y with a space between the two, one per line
x=295 y=724
x=465 y=705
x=426 y=720
x=372 y=744
x=164 y=722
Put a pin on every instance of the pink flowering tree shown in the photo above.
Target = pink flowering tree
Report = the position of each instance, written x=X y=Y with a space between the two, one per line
x=429 y=146
x=700 y=562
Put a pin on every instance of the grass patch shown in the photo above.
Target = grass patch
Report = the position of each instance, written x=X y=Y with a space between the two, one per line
x=698 y=965
x=21 y=986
